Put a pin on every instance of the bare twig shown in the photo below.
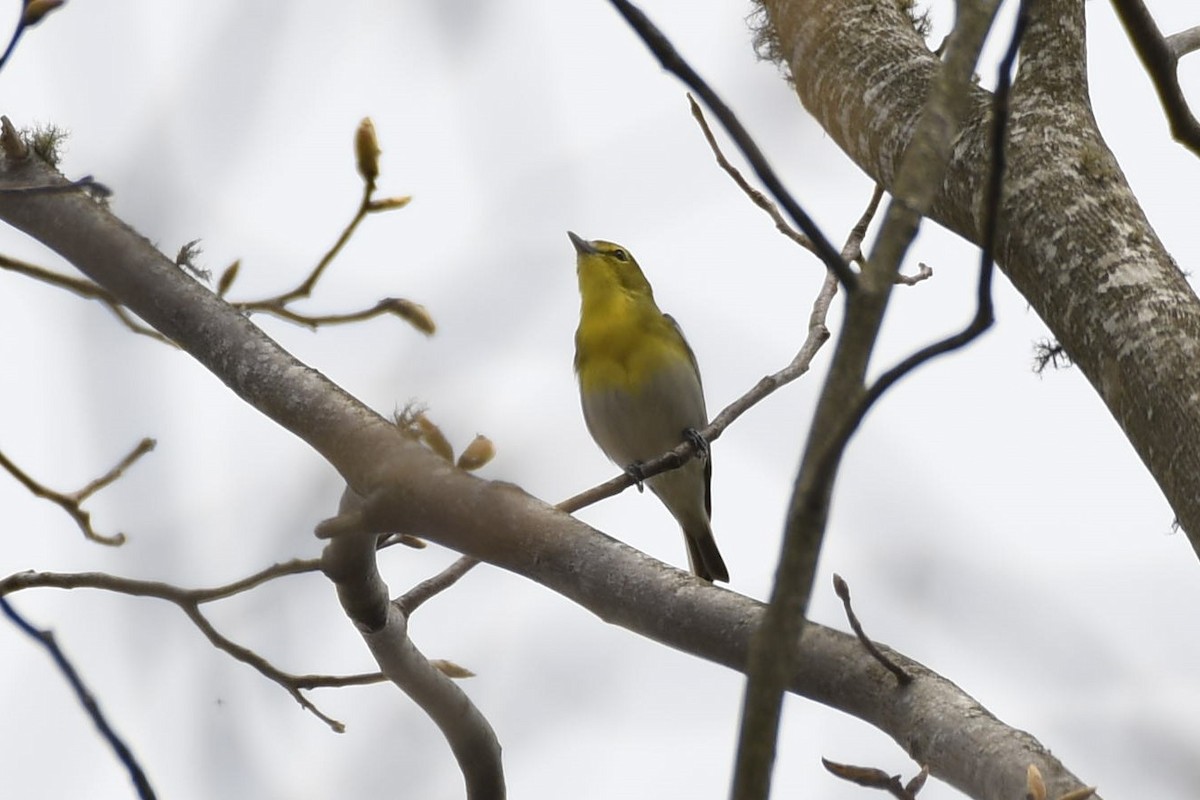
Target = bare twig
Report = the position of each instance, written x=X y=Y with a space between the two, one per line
x=143 y=447
x=414 y=597
x=46 y=639
x=843 y=592
x=189 y=601
x=671 y=61
x=758 y=198
x=413 y=313
x=367 y=150
x=72 y=502
x=85 y=289
x=1160 y=57
x=305 y=288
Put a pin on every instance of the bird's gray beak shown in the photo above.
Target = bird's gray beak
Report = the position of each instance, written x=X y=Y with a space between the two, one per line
x=582 y=245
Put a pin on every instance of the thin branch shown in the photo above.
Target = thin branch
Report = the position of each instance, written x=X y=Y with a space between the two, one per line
x=46 y=639
x=758 y=198
x=297 y=566
x=673 y=62
x=72 y=502
x=85 y=289
x=189 y=601
x=338 y=681
x=984 y=316
x=143 y=447
x=1160 y=57
x=414 y=597
x=842 y=589
x=17 y=33
x=278 y=306
x=413 y=313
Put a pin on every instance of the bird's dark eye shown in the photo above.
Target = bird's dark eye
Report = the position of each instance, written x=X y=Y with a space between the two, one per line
x=620 y=255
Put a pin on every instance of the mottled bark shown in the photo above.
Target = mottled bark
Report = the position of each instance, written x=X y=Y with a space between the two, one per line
x=1072 y=237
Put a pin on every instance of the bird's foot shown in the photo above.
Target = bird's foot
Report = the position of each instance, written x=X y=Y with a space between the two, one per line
x=697 y=441
x=635 y=471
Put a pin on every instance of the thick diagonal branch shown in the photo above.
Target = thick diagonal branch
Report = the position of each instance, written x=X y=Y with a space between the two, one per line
x=1072 y=237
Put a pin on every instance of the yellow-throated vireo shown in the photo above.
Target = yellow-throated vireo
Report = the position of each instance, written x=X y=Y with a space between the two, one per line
x=641 y=391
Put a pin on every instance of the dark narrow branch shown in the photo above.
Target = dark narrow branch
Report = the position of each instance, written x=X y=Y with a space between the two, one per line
x=32 y=12
x=1160 y=57
x=17 y=33
x=46 y=639
x=671 y=61
x=984 y=316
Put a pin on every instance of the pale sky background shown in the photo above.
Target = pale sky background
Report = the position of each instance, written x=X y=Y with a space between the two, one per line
x=992 y=524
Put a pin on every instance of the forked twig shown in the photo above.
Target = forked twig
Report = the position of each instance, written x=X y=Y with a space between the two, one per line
x=72 y=502
x=189 y=601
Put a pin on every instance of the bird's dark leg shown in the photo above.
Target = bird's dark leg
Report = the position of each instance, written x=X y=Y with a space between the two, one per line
x=697 y=441
x=635 y=471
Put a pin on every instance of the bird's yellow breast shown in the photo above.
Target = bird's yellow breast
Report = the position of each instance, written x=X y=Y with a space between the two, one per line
x=622 y=341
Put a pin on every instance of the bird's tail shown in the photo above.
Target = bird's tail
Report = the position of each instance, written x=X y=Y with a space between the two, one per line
x=703 y=555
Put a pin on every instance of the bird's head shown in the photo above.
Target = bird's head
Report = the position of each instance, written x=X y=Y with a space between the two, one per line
x=605 y=266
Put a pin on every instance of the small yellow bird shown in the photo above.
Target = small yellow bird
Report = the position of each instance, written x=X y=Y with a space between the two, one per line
x=641 y=392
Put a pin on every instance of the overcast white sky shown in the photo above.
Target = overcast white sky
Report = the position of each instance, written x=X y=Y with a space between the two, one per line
x=992 y=524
